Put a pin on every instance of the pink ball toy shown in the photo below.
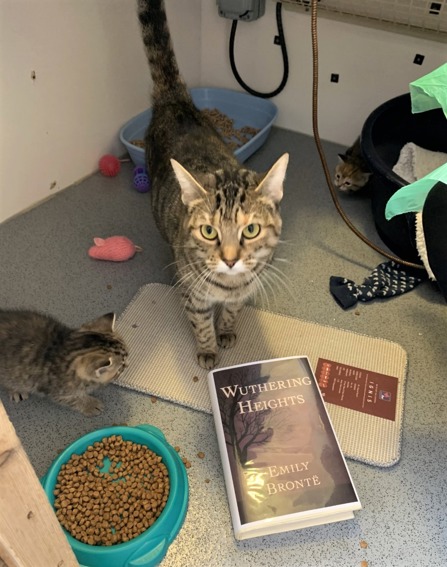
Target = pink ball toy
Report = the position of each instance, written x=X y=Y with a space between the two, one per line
x=109 y=165
x=114 y=248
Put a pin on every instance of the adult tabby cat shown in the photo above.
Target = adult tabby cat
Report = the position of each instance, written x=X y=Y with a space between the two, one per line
x=221 y=219
x=39 y=355
x=351 y=173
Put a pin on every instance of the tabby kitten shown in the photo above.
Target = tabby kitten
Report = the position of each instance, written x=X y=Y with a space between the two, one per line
x=39 y=355
x=221 y=219
x=352 y=173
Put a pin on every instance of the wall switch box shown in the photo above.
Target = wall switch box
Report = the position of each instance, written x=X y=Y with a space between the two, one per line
x=247 y=10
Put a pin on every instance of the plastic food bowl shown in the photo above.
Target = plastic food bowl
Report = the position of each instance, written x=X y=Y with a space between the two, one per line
x=244 y=109
x=149 y=548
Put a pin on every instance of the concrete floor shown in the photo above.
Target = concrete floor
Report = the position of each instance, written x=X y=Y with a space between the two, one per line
x=44 y=266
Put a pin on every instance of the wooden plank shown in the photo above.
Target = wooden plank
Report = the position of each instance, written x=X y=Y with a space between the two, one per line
x=30 y=534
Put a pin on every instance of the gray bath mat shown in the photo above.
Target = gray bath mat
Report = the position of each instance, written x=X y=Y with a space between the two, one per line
x=362 y=378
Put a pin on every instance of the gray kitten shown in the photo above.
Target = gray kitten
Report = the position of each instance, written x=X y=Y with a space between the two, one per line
x=39 y=355
x=352 y=173
x=221 y=219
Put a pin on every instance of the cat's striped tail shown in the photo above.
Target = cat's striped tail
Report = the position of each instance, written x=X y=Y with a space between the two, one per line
x=167 y=81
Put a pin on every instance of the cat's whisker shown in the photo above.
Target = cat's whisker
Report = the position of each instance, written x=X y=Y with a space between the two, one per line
x=287 y=242
x=198 y=282
x=182 y=247
x=270 y=280
x=285 y=260
x=184 y=277
x=279 y=271
x=263 y=294
x=277 y=276
x=174 y=263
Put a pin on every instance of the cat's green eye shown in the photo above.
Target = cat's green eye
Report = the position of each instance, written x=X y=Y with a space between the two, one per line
x=208 y=232
x=251 y=230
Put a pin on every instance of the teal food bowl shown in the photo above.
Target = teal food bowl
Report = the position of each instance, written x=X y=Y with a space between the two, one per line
x=149 y=548
x=244 y=109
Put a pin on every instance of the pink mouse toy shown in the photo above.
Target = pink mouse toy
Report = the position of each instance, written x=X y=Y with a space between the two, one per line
x=114 y=248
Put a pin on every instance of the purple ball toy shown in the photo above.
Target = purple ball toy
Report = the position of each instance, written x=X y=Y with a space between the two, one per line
x=141 y=180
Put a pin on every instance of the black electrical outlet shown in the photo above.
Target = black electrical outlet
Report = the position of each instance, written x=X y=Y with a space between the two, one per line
x=418 y=59
x=334 y=77
x=435 y=8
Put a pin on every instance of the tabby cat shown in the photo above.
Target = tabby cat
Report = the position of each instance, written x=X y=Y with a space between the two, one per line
x=39 y=355
x=352 y=173
x=221 y=219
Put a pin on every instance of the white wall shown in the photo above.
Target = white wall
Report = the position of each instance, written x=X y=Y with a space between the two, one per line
x=373 y=65
x=91 y=77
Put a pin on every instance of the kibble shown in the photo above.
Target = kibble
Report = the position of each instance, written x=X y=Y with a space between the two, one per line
x=186 y=462
x=114 y=506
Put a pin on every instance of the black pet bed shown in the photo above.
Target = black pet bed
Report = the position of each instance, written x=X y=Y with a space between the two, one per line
x=385 y=132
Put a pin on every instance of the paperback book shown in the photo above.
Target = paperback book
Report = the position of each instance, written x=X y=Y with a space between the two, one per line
x=282 y=462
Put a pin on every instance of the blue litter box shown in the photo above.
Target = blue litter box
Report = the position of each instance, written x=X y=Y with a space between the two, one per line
x=149 y=548
x=244 y=109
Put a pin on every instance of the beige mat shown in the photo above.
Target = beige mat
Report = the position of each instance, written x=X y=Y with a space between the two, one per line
x=162 y=363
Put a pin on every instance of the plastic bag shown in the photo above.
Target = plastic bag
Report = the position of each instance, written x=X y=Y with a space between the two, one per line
x=430 y=91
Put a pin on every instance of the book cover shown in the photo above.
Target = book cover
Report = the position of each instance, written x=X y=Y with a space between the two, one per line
x=282 y=462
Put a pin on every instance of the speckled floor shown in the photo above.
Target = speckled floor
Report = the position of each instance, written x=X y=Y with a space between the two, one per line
x=44 y=265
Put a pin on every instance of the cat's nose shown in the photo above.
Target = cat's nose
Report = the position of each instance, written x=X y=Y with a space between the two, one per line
x=230 y=263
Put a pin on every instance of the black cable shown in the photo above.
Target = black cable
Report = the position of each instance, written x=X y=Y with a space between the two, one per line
x=282 y=43
x=323 y=160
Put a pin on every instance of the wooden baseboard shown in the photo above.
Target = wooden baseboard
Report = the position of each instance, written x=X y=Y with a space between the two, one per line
x=30 y=534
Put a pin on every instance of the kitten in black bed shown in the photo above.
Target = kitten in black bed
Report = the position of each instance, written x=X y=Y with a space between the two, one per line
x=352 y=172
x=39 y=355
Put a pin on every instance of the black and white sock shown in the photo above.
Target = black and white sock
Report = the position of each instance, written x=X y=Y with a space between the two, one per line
x=387 y=280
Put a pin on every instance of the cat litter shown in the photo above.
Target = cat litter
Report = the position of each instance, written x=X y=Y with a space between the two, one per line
x=245 y=113
x=234 y=137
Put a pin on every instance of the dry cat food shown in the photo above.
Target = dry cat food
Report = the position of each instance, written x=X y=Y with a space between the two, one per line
x=235 y=137
x=108 y=507
x=185 y=461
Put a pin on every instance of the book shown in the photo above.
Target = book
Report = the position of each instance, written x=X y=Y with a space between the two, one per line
x=282 y=463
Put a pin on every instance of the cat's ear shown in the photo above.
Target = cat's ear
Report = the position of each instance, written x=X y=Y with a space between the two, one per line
x=103 y=367
x=104 y=324
x=271 y=185
x=343 y=157
x=191 y=188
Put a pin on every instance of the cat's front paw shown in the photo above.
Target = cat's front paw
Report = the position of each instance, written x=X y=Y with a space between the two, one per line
x=207 y=360
x=226 y=340
x=89 y=406
x=18 y=396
